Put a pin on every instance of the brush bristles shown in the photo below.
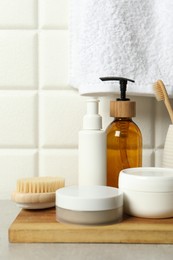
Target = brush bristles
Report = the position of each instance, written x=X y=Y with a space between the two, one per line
x=159 y=90
x=40 y=184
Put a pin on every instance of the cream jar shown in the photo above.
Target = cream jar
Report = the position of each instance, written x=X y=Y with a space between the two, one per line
x=89 y=205
x=147 y=192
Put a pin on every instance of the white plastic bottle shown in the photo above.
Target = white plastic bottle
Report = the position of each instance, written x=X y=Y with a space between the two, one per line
x=92 y=148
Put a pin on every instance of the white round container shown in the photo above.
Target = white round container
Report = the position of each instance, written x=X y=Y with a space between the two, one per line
x=147 y=192
x=89 y=205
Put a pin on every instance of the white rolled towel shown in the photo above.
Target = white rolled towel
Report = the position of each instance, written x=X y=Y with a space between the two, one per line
x=127 y=38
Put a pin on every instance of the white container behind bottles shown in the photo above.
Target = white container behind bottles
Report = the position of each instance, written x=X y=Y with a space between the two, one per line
x=168 y=149
x=92 y=148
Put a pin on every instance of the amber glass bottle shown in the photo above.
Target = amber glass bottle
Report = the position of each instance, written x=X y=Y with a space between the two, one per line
x=124 y=148
x=124 y=138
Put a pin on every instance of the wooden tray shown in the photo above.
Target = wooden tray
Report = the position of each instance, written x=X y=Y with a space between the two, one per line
x=36 y=226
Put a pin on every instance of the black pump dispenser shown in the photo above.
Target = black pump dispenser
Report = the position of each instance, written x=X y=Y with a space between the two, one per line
x=124 y=139
x=122 y=107
x=123 y=86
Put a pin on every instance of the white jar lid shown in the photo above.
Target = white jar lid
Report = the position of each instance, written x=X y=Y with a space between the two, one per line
x=147 y=179
x=89 y=198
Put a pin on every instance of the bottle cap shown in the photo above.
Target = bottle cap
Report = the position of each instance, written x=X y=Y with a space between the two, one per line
x=122 y=107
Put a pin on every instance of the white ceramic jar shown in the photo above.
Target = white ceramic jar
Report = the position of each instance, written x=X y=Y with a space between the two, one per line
x=89 y=205
x=147 y=192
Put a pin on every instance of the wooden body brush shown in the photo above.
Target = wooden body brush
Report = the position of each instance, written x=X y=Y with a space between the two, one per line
x=37 y=192
x=162 y=95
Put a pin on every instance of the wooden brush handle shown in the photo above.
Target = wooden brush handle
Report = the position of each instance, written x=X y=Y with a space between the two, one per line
x=33 y=197
x=166 y=99
x=169 y=108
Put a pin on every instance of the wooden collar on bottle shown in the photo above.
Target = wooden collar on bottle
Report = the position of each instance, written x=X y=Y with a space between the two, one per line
x=122 y=109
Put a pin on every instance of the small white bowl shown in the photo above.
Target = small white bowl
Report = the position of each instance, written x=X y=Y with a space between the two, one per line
x=147 y=192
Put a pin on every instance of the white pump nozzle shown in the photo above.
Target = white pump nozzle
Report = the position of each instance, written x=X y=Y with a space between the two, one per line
x=92 y=120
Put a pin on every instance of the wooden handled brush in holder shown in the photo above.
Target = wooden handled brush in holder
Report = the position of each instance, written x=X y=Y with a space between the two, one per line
x=168 y=149
x=162 y=95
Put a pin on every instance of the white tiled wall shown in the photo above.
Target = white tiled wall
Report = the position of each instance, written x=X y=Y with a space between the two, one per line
x=40 y=115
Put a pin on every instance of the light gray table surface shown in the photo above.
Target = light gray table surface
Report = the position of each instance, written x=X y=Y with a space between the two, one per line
x=51 y=251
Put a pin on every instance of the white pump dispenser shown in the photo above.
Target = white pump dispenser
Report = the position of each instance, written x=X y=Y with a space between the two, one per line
x=92 y=147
